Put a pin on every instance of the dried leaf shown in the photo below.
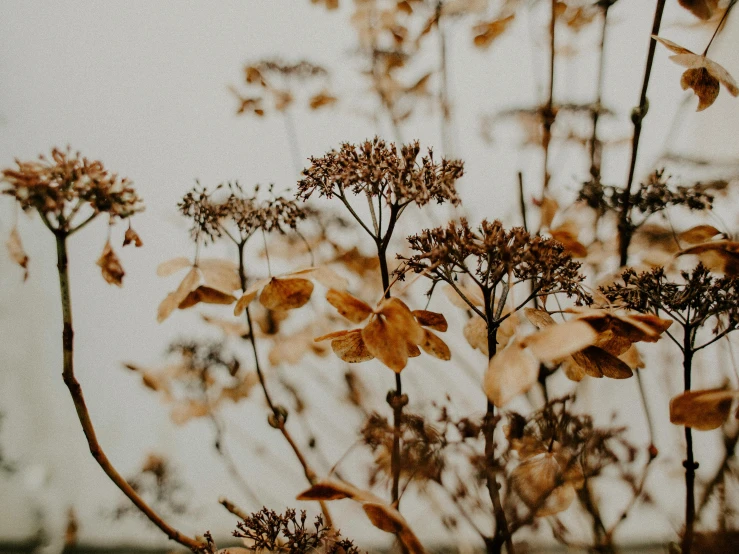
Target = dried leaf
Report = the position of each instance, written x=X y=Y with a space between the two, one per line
x=598 y=363
x=704 y=9
x=206 y=295
x=348 y=345
x=556 y=342
x=432 y=320
x=702 y=409
x=511 y=372
x=476 y=333
x=16 y=252
x=348 y=306
x=704 y=85
x=538 y=318
x=132 y=237
x=435 y=346
x=222 y=275
x=699 y=234
x=537 y=480
x=110 y=266
x=165 y=269
x=286 y=294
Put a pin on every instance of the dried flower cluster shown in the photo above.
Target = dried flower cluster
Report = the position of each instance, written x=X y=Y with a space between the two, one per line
x=379 y=170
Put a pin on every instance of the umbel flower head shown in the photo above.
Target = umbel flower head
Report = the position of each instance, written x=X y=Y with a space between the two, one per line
x=703 y=75
x=380 y=170
x=61 y=186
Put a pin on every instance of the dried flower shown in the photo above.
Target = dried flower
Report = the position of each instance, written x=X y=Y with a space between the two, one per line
x=59 y=188
x=703 y=74
x=110 y=266
x=377 y=169
x=16 y=252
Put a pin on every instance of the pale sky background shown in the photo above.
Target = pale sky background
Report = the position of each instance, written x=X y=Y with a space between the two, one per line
x=143 y=86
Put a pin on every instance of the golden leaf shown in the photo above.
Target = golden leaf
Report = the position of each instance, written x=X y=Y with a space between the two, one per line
x=702 y=409
x=432 y=320
x=110 y=266
x=435 y=346
x=511 y=372
x=16 y=252
x=348 y=306
x=286 y=294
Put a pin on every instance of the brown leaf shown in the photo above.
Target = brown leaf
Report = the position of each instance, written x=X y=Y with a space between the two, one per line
x=348 y=306
x=511 y=372
x=699 y=234
x=174 y=299
x=165 y=269
x=110 y=266
x=556 y=342
x=16 y=252
x=476 y=333
x=390 y=520
x=432 y=320
x=206 y=295
x=286 y=294
x=348 y=345
x=704 y=9
x=435 y=346
x=132 y=237
x=222 y=275
x=702 y=409
x=705 y=86
x=598 y=363
x=539 y=482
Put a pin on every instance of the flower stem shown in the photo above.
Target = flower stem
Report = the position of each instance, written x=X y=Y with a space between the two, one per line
x=637 y=116
x=689 y=463
x=80 y=406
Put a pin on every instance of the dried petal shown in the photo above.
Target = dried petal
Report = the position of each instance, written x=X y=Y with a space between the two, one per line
x=165 y=269
x=222 y=275
x=286 y=294
x=705 y=86
x=324 y=275
x=556 y=342
x=703 y=9
x=539 y=482
x=436 y=347
x=386 y=343
x=206 y=295
x=348 y=306
x=110 y=266
x=702 y=409
x=432 y=320
x=511 y=372
x=699 y=234
x=598 y=363
x=16 y=252
x=132 y=237
x=476 y=333
x=348 y=345
x=400 y=318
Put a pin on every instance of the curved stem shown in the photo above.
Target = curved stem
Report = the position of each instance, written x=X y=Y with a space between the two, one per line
x=83 y=414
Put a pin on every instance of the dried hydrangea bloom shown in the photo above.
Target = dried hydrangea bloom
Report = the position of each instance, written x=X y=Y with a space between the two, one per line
x=60 y=187
x=380 y=170
x=703 y=75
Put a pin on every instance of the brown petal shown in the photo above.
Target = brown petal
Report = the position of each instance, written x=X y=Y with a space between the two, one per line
x=432 y=320
x=704 y=9
x=324 y=275
x=390 y=520
x=222 y=275
x=206 y=295
x=436 y=347
x=385 y=343
x=165 y=269
x=676 y=48
x=286 y=294
x=705 y=86
x=720 y=73
x=132 y=237
x=539 y=482
x=699 y=234
x=548 y=208
x=110 y=266
x=476 y=333
x=16 y=252
x=702 y=409
x=400 y=319
x=556 y=342
x=413 y=350
x=598 y=363
x=348 y=306
x=538 y=318
x=719 y=255
x=511 y=372
x=348 y=345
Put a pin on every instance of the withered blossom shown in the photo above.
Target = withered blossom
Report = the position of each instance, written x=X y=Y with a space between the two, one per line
x=61 y=187
x=703 y=75
x=380 y=170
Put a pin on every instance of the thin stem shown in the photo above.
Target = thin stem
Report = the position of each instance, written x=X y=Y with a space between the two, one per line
x=596 y=146
x=522 y=201
x=718 y=27
x=233 y=508
x=548 y=114
x=689 y=463
x=624 y=229
x=502 y=534
x=277 y=415
x=80 y=406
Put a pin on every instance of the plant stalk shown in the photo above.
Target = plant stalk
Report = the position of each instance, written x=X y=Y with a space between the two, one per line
x=689 y=463
x=83 y=414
